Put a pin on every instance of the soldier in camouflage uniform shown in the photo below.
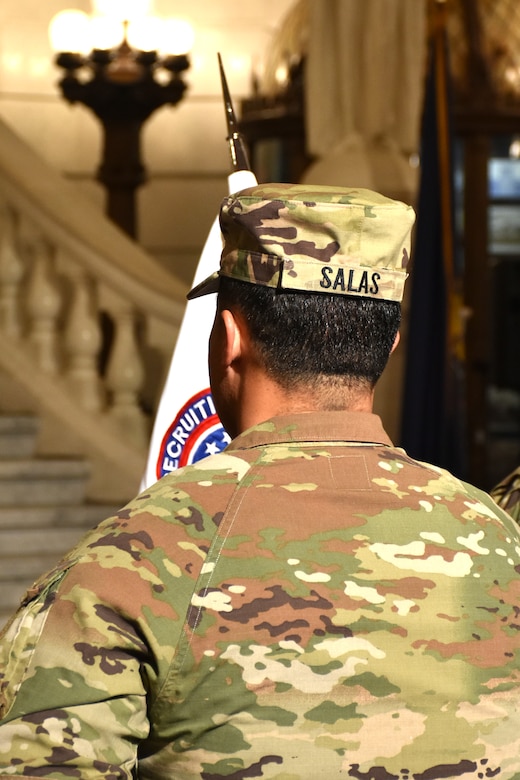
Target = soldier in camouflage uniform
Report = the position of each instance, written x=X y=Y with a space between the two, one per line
x=309 y=603
x=507 y=494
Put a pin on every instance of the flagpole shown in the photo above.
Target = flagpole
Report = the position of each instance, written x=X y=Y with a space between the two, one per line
x=241 y=175
x=237 y=148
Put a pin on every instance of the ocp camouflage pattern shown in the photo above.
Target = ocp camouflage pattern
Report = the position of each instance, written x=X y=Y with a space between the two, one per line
x=342 y=241
x=309 y=603
x=507 y=494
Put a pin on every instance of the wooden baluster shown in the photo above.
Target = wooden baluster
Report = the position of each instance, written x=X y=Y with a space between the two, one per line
x=11 y=273
x=43 y=304
x=83 y=343
x=125 y=376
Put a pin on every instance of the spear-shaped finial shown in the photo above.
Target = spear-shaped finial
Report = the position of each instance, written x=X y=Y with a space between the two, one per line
x=237 y=148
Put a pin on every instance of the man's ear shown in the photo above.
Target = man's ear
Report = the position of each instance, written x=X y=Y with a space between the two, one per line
x=396 y=341
x=233 y=337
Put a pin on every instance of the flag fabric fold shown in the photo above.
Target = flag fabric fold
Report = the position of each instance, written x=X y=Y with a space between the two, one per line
x=433 y=418
x=186 y=426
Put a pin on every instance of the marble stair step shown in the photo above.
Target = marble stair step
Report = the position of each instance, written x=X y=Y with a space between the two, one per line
x=82 y=516
x=36 y=541
x=18 y=434
x=43 y=509
x=42 y=481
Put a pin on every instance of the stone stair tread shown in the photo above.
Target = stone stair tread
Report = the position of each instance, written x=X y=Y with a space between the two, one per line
x=25 y=569
x=18 y=422
x=39 y=540
x=43 y=508
x=67 y=515
x=48 y=468
x=43 y=481
x=18 y=434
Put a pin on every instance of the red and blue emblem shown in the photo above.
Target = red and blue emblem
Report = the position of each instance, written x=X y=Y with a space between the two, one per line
x=195 y=433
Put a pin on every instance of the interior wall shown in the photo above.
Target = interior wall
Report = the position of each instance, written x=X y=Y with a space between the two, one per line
x=184 y=147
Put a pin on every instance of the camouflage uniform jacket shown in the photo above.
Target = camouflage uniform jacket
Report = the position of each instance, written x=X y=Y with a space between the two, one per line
x=310 y=603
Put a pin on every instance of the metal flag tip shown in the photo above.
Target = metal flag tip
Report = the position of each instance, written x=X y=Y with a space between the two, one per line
x=237 y=148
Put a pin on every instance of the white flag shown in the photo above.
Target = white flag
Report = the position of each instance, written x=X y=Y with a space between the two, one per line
x=187 y=427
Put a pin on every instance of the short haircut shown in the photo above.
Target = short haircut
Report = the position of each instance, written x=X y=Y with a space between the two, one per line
x=305 y=338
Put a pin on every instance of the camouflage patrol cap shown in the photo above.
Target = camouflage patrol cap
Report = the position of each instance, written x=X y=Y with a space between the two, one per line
x=314 y=239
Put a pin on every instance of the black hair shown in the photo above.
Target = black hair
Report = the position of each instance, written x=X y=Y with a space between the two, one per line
x=310 y=337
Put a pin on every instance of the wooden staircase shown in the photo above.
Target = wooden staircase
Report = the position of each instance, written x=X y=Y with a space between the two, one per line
x=43 y=508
